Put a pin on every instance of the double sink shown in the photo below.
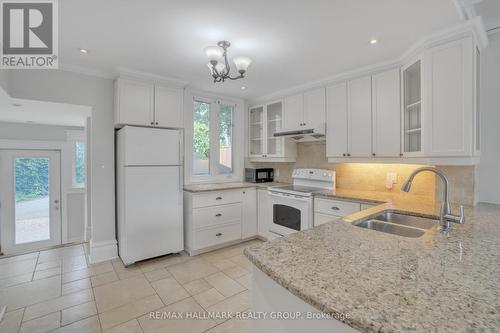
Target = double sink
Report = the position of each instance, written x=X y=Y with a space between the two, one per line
x=398 y=224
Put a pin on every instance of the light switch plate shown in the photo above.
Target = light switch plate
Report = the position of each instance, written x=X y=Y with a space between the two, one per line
x=392 y=177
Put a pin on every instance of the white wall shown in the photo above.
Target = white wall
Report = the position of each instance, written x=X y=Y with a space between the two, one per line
x=4 y=81
x=489 y=167
x=68 y=87
x=18 y=131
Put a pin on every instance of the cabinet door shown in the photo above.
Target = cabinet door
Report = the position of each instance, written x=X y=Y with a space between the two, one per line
x=386 y=114
x=293 y=112
x=412 y=109
x=249 y=213
x=314 y=107
x=256 y=131
x=360 y=117
x=263 y=213
x=336 y=120
x=450 y=80
x=274 y=146
x=168 y=107
x=134 y=103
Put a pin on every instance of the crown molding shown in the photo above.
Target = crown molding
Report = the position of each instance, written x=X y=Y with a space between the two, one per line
x=131 y=73
x=472 y=26
x=86 y=71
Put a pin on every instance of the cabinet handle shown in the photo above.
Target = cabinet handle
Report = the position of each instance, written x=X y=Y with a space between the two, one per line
x=218 y=215
x=218 y=198
x=156 y=123
x=152 y=123
x=335 y=208
x=343 y=154
x=400 y=154
x=218 y=234
x=373 y=154
x=348 y=154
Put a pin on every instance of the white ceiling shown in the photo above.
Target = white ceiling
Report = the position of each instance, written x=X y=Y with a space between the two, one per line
x=15 y=110
x=291 y=42
x=490 y=11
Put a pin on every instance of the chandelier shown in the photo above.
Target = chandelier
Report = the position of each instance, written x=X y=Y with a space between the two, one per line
x=219 y=66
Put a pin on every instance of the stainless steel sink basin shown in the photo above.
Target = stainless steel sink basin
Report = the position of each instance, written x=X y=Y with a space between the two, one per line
x=398 y=224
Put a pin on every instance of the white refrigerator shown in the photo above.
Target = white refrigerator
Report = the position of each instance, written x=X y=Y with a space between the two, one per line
x=149 y=193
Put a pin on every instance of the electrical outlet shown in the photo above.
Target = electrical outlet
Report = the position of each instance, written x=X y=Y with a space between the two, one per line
x=392 y=177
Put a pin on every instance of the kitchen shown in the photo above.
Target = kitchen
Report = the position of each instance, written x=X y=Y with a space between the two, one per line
x=242 y=192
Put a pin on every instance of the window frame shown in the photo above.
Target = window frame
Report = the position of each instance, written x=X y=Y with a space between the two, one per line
x=72 y=138
x=237 y=146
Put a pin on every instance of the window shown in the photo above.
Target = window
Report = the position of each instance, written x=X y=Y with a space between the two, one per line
x=79 y=164
x=212 y=146
x=225 y=139
x=201 y=138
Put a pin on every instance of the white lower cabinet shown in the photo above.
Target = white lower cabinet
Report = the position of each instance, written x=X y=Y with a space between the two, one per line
x=264 y=214
x=326 y=210
x=249 y=214
x=218 y=218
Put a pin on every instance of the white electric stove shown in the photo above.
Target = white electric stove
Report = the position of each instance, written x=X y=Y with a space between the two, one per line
x=292 y=205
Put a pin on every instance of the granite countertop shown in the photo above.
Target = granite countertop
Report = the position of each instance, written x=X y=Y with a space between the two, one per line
x=388 y=283
x=227 y=186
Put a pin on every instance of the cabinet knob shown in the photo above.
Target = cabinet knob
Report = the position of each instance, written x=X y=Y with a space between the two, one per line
x=218 y=215
x=348 y=154
x=218 y=234
x=400 y=154
x=152 y=123
x=343 y=154
x=156 y=123
x=373 y=154
x=218 y=198
x=335 y=208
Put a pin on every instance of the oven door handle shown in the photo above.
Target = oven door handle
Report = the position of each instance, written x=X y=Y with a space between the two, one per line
x=288 y=196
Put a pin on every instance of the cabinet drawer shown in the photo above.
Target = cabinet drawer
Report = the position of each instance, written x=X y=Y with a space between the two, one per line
x=216 y=198
x=216 y=235
x=214 y=215
x=335 y=207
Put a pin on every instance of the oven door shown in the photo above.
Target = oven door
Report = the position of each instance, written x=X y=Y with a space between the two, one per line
x=290 y=213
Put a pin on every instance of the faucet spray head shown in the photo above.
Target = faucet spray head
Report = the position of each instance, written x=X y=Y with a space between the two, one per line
x=406 y=186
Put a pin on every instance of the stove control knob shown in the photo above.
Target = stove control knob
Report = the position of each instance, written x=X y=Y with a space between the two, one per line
x=325 y=174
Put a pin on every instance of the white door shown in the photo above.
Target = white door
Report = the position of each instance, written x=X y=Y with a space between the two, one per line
x=134 y=102
x=359 y=103
x=152 y=213
x=30 y=197
x=144 y=146
x=168 y=107
x=336 y=120
x=293 y=112
x=314 y=107
x=386 y=107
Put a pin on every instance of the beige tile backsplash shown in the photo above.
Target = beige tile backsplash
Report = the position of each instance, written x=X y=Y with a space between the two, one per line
x=372 y=176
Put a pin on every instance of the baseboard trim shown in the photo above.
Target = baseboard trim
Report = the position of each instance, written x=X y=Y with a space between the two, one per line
x=102 y=251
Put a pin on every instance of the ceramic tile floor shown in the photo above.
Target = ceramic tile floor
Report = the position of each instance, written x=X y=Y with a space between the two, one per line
x=58 y=291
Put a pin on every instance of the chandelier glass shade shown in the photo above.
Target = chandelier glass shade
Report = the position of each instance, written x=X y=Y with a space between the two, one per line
x=219 y=66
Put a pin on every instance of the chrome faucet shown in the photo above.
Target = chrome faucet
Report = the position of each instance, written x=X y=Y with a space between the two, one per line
x=446 y=216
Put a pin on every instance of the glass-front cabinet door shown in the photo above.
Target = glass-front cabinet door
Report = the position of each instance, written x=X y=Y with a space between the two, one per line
x=256 y=131
x=274 y=120
x=412 y=108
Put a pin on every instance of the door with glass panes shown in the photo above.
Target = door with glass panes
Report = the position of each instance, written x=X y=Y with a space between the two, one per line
x=30 y=198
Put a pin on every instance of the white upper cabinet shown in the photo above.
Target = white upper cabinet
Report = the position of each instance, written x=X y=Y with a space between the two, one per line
x=134 y=102
x=336 y=120
x=294 y=109
x=305 y=110
x=146 y=104
x=264 y=121
x=168 y=107
x=314 y=107
x=386 y=114
x=450 y=87
x=359 y=106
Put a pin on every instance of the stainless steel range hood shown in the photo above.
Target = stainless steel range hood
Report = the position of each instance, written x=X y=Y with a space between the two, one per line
x=304 y=134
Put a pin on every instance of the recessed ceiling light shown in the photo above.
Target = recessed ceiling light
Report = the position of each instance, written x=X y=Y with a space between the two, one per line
x=373 y=41
x=243 y=87
x=83 y=51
